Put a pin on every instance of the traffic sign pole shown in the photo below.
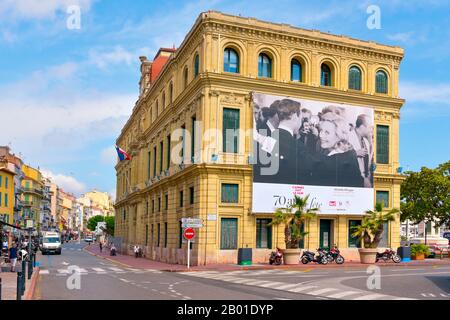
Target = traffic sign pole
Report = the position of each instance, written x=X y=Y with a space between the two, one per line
x=188 y=252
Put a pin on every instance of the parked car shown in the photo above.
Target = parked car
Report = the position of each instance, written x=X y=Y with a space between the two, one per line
x=447 y=236
x=88 y=239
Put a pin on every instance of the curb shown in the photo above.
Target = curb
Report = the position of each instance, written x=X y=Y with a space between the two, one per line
x=30 y=292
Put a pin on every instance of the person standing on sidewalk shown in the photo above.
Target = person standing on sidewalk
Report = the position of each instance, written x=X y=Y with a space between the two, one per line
x=13 y=257
x=101 y=245
x=136 y=251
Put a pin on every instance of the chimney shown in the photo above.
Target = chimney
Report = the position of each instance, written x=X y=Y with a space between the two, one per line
x=146 y=69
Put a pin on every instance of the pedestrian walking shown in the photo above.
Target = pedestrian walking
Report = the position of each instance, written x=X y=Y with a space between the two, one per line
x=13 y=257
x=136 y=251
x=101 y=246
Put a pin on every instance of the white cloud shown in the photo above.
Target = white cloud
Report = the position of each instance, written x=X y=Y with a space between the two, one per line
x=109 y=156
x=427 y=93
x=39 y=9
x=116 y=56
x=404 y=37
x=8 y=36
x=68 y=183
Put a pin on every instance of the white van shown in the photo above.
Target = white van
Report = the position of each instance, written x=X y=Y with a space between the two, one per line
x=51 y=243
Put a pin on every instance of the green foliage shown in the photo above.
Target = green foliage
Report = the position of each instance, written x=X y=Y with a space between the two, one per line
x=420 y=248
x=292 y=217
x=425 y=195
x=92 y=222
x=372 y=226
x=109 y=225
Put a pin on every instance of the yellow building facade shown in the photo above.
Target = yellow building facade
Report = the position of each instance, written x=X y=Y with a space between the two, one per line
x=6 y=193
x=102 y=200
x=197 y=85
x=32 y=185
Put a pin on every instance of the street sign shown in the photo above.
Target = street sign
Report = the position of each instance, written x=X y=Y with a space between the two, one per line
x=191 y=223
x=189 y=233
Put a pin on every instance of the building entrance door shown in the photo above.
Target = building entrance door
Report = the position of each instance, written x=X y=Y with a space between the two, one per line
x=325 y=233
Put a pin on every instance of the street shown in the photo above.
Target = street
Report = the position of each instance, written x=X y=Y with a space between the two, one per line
x=105 y=280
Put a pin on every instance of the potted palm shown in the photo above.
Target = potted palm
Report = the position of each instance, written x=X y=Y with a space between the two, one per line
x=419 y=251
x=371 y=230
x=293 y=217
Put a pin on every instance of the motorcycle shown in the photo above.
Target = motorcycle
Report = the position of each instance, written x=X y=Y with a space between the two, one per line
x=276 y=257
x=334 y=255
x=387 y=255
x=309 y=256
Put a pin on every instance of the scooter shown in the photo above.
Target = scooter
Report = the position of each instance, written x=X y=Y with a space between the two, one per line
x=387 y=255
x=309 y=256
x=334 y=255
x=276 y=257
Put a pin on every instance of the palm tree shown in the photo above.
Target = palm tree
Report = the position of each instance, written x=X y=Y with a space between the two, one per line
x=372 y=225
x=293 y=216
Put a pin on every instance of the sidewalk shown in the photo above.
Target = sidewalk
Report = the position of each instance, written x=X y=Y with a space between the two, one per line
x=9 y=284
x=144 y=263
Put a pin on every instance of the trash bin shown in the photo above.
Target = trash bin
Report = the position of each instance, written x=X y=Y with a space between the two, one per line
x=245 y=256
x=404 y=253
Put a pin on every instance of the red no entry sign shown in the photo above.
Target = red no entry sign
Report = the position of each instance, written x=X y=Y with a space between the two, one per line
x=189 y=233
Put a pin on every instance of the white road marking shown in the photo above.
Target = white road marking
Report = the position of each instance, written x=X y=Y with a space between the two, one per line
x=395 y=270
x=65 y=271
x=287 y=286
x=321 y=291
x=115 y=269
x=342 y=294
x=282 y=299
x=355 y=271
x=65 y=263
x=99 y=269
x=272 y=284
x=370 y=296
x=43 y=272
x=124 y=280
x=302 y=288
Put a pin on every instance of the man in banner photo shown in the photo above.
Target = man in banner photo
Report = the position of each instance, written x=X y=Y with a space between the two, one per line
x=122 y=154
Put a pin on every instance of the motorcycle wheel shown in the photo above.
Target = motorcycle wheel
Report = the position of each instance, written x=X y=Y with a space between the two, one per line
x=270 y=262
x=324 y=261
x=396 y=258
x=305 y=260
x=330 y=259
x=340 y=259
x=278 y=262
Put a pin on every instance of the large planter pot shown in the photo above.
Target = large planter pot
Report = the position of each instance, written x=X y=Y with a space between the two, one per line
x=291 y=256
x=419 y=256
x=367 y=255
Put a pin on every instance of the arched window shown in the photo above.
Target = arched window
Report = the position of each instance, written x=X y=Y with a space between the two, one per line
x=196 y=65
x=325 y=75
x=381 y=85
x=230 y=61
x=264 y=66
x=163 y=100
x=354 y=78
x=296 y=71
x=185 y=78
x=171 y=93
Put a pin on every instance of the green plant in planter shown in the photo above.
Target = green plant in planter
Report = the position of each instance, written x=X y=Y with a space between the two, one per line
x=293 y=216
x=372 y=226
x=420 y=248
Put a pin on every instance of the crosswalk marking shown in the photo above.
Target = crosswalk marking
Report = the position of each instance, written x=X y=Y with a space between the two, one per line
x=272 y=284
x=115 y=269
x=43 y=271
x=302 y=288
x=321 y=291
x=370 y=296
x=342 y=294
x=99 y=269
x=287 y=286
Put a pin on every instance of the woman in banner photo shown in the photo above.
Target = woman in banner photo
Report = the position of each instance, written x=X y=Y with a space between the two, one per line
x=338 y=165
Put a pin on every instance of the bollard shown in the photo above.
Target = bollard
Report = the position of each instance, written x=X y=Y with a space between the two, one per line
x=0 y=289
x=23 y=273
x=19 y=286
x=30 y=267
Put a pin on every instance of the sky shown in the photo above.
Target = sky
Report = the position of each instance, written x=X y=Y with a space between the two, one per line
x=67 y=88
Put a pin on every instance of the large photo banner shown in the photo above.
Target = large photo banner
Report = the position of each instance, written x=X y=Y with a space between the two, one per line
x=306 y=147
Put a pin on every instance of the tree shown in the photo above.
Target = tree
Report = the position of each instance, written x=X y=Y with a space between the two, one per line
x=372 y=226
x=425 y=195
x=109 y=225
x=92 y=222
x=293 y=216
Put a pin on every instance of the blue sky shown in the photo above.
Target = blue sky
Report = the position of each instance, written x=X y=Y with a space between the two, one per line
x=67 y=93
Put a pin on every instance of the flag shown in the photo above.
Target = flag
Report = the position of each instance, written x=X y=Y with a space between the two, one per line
x=122 y=154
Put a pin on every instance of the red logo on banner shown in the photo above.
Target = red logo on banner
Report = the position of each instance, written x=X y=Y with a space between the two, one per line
x=332 y=203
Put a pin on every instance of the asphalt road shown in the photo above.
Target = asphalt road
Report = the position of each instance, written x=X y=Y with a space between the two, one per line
x=101 y=279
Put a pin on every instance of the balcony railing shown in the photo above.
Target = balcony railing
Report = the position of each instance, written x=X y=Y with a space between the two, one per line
x=32 y=190
x=26 y=203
